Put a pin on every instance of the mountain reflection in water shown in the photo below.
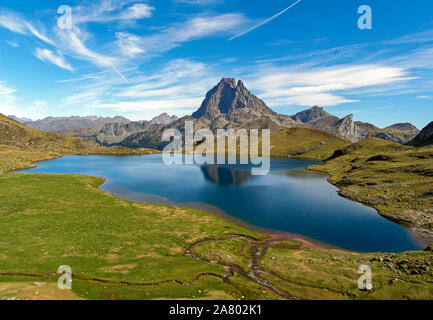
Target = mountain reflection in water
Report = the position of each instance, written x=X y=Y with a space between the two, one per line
x=225 y=175
x=288 y=199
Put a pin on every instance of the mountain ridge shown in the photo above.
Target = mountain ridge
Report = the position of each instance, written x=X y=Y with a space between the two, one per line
x=54 y=124
x=230 y=105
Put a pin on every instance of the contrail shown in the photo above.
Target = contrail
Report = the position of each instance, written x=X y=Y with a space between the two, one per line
x=119 y=73
x=264 y=22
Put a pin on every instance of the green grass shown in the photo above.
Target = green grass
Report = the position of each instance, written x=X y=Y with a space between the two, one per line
x=229 y=252
x=305 y=143
x=332 y=274
x=136 y=250
x=296 y=142
x=50 y=220
x=308 y=273
x=398 y=183
x=120 y=249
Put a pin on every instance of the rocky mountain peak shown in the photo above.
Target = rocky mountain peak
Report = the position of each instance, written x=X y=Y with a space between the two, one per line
x=228 y=96
x=163 y=118
x=227 y=81
x=346 y=119
x=311 y=114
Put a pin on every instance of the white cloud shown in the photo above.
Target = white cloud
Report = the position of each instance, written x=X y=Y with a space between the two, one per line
x=12 y=44
x=424 y=97
x=39 y=35
x=320 y=56
x=178 y=88
x=13 y=22
x=152 y=105
x=9 y=104
x=207 y=25
x=137 y=11
x=135 y=92
x=181 y=84
x=129 y=44
x=105 y=11
x=420 y=58
x=178 y=79
x=49 y=56
x=7 y=99
x=73 y=41
x=80 y=44
x=200 y=2
x=420 y=37
x=322 y=86
x=173 y=36
x=84 y=97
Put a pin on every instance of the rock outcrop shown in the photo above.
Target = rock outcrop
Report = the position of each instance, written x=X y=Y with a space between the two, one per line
x=424 y=138
x=318 y=118
x=348 y=130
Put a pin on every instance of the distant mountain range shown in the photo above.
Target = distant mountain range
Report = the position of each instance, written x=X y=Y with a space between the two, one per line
x=92 y=126
x=228 y=105
x=55 y=124
x=22 y=145
x=163 y=118
x=115 y=133
x=22 y=120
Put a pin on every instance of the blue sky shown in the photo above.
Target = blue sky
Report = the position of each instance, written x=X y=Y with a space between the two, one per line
x=142 y=58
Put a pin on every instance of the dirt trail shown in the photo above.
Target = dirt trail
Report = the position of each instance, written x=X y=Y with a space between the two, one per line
x=256 y=255
x=258 y=251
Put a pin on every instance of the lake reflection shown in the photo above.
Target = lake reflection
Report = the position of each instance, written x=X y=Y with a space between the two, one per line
x=287 y=199
x=223 y=175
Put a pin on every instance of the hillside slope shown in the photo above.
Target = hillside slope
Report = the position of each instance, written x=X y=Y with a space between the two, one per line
x=21 y=145
x=395 y=179
x=303 y=142
x=424 y=138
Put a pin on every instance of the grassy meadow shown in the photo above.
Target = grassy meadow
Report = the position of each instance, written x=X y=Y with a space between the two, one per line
x=119 y=249
x=305 y=143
